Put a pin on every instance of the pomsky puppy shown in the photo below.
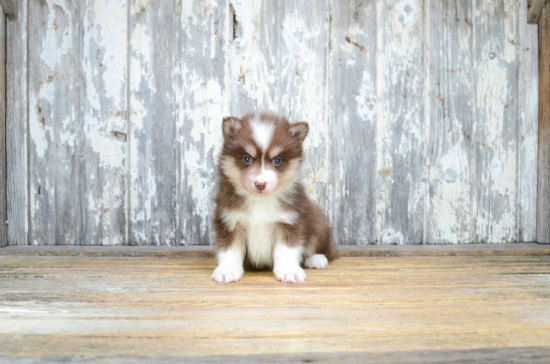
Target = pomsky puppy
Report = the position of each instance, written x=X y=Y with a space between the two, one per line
x=264 y=218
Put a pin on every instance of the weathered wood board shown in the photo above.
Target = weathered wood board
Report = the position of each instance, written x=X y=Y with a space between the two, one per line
x=203 y=99
x=103 y=118
x=543 y=210
x=400 y=89
x=116 y=309
x=534 y=10
x=423 y=116
x=3 y=190
x=9 y=8
x=77 y=123
x=495 y=129
x=17 y=133
x=154 y=80
x=528 y=108
x=55 y=146
x=450 y=104
x=353 y=122
x=177 y=72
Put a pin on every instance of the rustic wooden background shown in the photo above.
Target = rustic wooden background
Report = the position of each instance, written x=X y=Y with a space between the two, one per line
x=423 y=115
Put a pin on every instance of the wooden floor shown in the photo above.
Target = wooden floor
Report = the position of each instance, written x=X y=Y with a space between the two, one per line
x=362 y=309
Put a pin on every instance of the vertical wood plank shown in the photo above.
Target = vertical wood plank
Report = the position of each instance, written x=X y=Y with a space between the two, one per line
x=200 y=105
x=534 y=10
x=278 y=63
x=77 y=104
x=400 y=89
x=154 y=38
x=528 y=114
x=54 y=129
x=495 y=127
x=17 y=127
x=426 y=136
x=102 y=172
x=543 y=206
x=3 y=190
x=353 y=112
x=449 y=128
x=9 y=8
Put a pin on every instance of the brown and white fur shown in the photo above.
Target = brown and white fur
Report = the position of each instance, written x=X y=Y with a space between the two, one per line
x=264 y=217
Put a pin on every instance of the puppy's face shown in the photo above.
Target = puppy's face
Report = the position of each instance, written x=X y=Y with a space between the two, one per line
x=262 y=153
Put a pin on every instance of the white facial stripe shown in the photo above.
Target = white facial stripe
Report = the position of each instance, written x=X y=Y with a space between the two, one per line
x=274 y=152
x=262 y=133
x=250 y=150
x=266 y=175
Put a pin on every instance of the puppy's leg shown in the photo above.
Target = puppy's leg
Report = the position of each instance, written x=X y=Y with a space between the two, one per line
x=316 y=261
x=230 y=262
x=286 y=263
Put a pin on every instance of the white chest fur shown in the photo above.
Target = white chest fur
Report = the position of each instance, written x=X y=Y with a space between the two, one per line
x=259 y=220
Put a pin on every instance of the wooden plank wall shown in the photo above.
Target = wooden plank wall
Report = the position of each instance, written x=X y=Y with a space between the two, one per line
x=3 y=190
x=17 y=133
x=77 y=122
x=543 y=212
x=423 y=115
x=528 y=101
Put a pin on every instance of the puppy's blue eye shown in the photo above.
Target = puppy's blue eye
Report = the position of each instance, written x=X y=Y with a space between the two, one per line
x=276 y=161
x=247 y=159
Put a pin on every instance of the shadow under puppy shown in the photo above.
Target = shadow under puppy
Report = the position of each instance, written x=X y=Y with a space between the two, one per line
x=263 y=214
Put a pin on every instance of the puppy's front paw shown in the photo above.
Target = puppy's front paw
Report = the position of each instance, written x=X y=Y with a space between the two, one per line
x=292 y=274
x=227 y=274
x=317 y=261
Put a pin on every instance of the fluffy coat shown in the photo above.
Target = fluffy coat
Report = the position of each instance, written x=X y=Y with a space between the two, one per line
x=264 y=218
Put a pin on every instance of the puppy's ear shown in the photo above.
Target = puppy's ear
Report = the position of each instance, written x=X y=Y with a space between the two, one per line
x=231 y=125
x=299 y=130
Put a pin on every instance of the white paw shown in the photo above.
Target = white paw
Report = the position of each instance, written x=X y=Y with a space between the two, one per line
x=227 y=274
x=317 y=261
x=292 y=274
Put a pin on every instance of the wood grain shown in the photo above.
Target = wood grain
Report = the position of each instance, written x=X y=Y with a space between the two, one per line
x=528 y=112
x=401 y=122
x=77 y=105
x=543 y=206
x=54 y=126
x=155 y=52
x=450 y=126
x=3 y=179
x=9 y=8
x=201 y=107
x=517 y=249
x=168 y=308
x=495 y=130
x=534 y=10
x=353 y=122
x=422 y=116
x=17 y=128
x=103 y=99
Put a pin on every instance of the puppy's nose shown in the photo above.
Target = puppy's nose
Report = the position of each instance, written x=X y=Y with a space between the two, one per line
x=260 y=185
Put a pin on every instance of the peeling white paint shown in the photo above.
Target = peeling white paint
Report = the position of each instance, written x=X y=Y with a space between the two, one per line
x=282 y=61
x=366 y=98
x=202 y=187
x=56 y=34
